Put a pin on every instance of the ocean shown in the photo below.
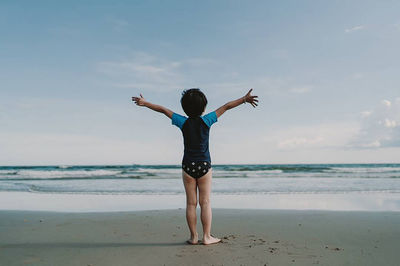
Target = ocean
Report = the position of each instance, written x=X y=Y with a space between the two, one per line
x=227 y=179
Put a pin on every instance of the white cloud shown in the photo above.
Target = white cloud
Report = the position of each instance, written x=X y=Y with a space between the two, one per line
x=199 y=62
x=300 y=142
x=318 y=143
x=379 y=127
x=149 y=72
x=365 y=113
x=358 y=75
x=119 y=24
x=389 y=123
x=321 y=136
x=65 y=30
x=50 y=148
x=144 y=71
x=355 y=28
x=264 y=86
x=386 y=103
x=374 y=144
x=279 y=53
x=300 y=89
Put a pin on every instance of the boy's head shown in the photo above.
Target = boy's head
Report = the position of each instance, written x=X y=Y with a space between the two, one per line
x=193 y=102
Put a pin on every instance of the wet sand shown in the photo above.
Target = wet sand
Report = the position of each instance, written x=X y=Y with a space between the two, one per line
x=250 y=237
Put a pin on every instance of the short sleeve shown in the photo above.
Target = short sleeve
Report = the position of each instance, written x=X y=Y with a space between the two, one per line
x=178 y=120
x=210 y=118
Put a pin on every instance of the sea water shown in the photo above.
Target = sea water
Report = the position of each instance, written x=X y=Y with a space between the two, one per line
x=374 y=186
x=228 y=179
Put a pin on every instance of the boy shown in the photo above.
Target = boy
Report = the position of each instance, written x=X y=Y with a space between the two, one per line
x=196 y=162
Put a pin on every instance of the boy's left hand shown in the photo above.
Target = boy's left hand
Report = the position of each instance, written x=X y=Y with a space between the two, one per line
x=139 y=100
x=251 y=99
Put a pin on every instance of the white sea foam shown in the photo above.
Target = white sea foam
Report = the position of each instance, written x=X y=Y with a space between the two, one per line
x=160 y=170
x=64 y=174
x=363 y=170
x=7 y=172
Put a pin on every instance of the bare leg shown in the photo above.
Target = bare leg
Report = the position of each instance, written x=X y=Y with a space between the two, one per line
x=191 y=204
x=204 y=184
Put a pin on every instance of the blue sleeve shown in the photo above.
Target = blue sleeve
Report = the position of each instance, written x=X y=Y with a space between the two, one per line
x=178 y=120
x=210 y=118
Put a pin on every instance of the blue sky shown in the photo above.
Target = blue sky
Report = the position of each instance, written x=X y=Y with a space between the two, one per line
x=326 y=72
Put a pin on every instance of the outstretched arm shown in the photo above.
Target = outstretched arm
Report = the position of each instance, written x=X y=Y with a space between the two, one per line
x=232 y=104
x=140 y=101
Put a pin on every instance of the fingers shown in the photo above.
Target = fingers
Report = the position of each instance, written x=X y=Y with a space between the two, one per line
x=136 y=100
x=254 y=101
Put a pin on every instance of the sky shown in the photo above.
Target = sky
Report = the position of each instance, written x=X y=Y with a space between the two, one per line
x=326 y=73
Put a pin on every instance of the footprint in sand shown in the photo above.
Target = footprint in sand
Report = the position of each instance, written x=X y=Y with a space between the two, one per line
x=335 y=249
x=272 y=250
x=257 y=242
x=226 y=238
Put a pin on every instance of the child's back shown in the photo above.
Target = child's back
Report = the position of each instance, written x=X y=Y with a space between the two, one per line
x=196 y=159
x=195 y=132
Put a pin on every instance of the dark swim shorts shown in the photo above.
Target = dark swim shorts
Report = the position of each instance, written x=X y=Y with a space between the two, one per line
x=196 y=169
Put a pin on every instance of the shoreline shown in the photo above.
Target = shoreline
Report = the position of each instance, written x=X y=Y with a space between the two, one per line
x=370 y=201
x=250 y=237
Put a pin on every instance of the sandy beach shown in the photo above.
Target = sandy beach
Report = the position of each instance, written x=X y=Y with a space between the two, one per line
x=250 y=237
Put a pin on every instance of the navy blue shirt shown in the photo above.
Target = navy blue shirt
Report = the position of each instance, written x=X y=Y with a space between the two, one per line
x=195 y=132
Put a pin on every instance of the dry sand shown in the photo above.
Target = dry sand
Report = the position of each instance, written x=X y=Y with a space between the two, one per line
x=250 y=237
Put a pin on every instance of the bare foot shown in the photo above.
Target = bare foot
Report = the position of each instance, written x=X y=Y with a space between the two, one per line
x=194 y=240
x=210 y=240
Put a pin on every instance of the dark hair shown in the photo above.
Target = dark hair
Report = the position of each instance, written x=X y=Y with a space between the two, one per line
x=193 y=102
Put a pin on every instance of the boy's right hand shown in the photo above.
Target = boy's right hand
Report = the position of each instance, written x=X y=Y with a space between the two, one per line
x=139 y=100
